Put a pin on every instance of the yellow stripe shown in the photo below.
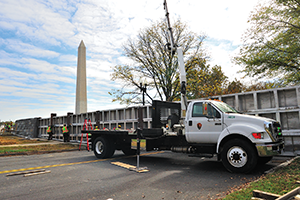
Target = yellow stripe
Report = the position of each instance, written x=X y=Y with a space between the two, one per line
x=49 y=166
x=75 y=163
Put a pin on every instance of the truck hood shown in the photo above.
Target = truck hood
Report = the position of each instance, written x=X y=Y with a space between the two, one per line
x=232 y=118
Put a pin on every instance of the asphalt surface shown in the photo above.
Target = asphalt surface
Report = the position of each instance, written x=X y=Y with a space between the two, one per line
x=79 y=175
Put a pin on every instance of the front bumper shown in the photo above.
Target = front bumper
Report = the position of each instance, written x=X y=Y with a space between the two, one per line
x=272 y=149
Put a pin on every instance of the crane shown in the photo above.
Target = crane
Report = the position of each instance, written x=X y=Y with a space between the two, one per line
x=172 y=47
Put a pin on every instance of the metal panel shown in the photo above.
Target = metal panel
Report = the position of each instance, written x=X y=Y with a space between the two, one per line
x=265 y=100
x=290 y=120
x=269 y=115
x=229 y=100
x=246 y=102
x=287 y=98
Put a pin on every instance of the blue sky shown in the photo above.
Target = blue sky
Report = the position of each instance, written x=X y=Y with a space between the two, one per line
x=39 y=41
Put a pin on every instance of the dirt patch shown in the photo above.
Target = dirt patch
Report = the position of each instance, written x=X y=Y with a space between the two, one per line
x=10 y=139
x=34 y=146
x=38 y=148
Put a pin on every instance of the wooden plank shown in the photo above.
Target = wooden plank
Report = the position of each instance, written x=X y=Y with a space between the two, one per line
x=38 y=173
x=265 y=195
x=130 y=167
x=290 y=194
x=25 y=172
x=297 y=197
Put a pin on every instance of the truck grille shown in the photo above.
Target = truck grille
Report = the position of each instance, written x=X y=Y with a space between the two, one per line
x=274 y=130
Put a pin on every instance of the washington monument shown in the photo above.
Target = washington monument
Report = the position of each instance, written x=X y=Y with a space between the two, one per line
x=81 y=99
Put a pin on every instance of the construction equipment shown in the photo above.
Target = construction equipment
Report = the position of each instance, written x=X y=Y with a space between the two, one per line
x=86 y=126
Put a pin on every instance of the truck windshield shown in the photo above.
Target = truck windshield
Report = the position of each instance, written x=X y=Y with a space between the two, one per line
x=224 y=107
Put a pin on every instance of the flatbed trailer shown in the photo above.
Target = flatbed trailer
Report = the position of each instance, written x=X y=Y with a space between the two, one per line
x=105 y=142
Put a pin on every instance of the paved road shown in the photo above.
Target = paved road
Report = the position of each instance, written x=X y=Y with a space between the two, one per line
x=78 y=175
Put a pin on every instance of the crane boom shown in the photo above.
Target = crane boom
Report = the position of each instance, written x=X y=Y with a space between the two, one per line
x=173 y=48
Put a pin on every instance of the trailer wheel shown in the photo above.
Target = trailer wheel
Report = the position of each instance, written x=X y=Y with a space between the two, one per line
x=103 y=148
x=239 y=156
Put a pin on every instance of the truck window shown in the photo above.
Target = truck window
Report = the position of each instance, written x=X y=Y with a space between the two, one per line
x=225 y=107
x=212 y=112
x=197 y=110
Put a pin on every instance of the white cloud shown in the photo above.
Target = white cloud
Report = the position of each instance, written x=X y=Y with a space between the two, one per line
x=218 y=19
x=33 y=19
x=30 y=50
x=68 y=58
x=18 y=46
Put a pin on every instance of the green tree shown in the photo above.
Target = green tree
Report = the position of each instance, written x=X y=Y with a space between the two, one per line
x=153 y=65
x=237 y=86
x=234 y=86
x=264 y=85
x=271 y=47
x=205 y=81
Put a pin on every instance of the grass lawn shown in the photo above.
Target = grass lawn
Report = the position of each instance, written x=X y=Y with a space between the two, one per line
x=280 y=182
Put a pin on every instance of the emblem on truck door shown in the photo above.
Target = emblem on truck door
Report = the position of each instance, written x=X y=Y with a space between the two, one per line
x=199 y=126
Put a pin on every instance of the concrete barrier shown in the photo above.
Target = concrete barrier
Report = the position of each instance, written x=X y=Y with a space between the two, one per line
x=27 y=127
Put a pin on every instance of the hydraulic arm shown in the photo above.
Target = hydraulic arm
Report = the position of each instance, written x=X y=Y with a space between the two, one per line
x=172 y=47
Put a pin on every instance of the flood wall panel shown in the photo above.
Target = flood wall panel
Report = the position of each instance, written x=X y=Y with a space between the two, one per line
x=287 y=98
x=229 y=100
x=246 y=102
x=265 y=100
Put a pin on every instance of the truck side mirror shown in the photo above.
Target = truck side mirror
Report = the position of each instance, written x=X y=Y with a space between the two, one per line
x=204 y=109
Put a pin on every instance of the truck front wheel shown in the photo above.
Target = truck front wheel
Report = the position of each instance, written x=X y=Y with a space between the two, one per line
x=103 y=148
x=239 y=156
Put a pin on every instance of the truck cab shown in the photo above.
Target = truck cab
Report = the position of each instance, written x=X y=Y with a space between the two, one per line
x=240 y=140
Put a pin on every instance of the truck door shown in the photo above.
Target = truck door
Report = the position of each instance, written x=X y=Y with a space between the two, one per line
x=203 y=128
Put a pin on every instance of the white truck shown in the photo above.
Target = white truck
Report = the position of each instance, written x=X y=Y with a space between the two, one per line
x=210 y=128
x=200 y=128
x=240 y=141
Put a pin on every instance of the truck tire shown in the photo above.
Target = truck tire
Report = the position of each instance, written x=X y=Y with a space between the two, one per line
x=103 y=148
x=239 y=156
